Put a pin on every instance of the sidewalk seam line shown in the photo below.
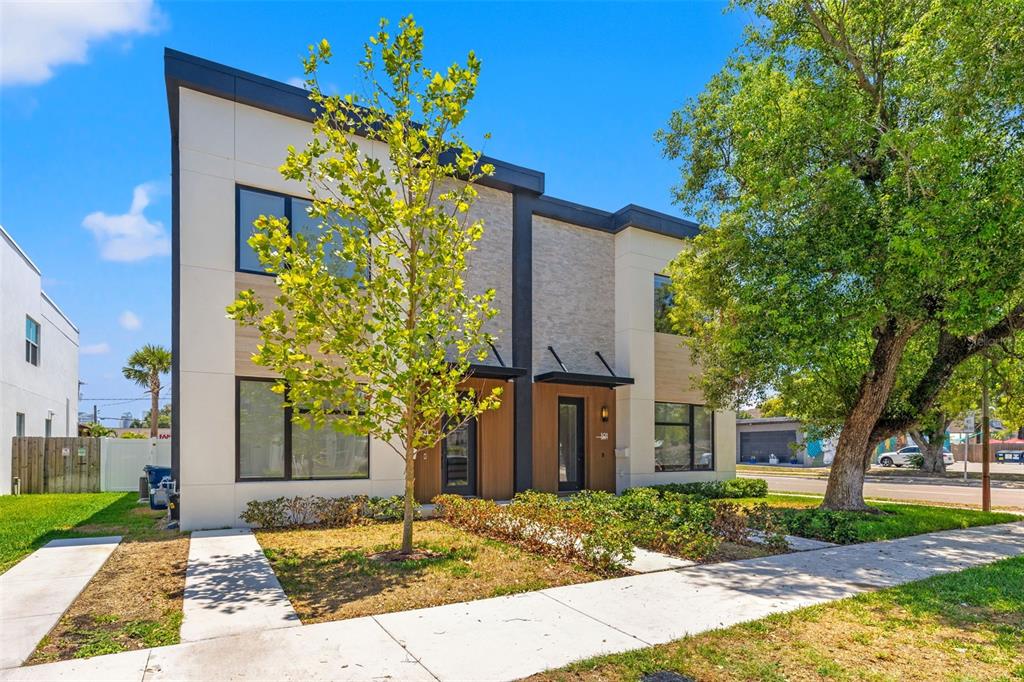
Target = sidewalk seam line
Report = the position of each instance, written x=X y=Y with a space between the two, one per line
x=145 y=668
x=419 y=662
x=597 y=620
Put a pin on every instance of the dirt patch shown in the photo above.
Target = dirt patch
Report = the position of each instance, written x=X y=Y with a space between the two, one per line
x=329 y=574
x=133 y=602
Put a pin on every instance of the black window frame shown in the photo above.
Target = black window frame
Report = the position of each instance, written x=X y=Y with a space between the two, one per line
x=288 y=214
x=287 y=414
x=690 y=415
x=658 y=278
x=33 y=349
x=472 y=488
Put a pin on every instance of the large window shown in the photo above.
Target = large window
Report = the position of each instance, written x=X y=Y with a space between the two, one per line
x=252 y=203
x=31 y=341
x=683 y=437
x=662 y=303
x=272 y=446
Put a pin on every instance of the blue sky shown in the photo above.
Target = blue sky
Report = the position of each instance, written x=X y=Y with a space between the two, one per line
x=575 y=90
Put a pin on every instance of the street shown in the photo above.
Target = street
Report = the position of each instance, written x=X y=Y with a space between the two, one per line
x=1004 y=494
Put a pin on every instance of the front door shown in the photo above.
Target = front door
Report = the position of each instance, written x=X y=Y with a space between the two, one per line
x=458 y=460
x=570 y=444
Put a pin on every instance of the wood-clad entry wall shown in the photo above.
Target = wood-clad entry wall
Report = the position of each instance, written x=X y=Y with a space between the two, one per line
x=494 y=450
x=599 y=436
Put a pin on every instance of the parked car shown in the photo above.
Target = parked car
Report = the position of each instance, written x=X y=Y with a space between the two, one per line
x=905 y=454
x=1010 y=456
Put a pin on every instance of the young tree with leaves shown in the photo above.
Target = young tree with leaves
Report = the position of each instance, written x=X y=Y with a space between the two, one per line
x=863 y=166
x=144 y=367
x=372 y=328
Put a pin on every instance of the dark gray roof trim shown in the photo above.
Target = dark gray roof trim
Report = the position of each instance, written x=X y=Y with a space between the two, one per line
x=185 y=70
x=495 y=372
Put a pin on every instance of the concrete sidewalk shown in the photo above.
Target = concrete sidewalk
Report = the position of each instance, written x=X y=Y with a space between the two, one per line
x=36 y=592
x=230 y=588
x=510 y=637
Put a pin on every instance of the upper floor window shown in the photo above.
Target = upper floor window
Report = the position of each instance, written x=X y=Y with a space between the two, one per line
x=31 y=341
x=252 y=203
x=683 y=437
x=662 y=303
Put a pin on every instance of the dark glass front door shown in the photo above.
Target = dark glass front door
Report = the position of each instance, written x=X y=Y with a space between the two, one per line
x=458 y=460
x=570 y=444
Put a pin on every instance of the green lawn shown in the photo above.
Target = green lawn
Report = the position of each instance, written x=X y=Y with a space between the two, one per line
x=898 y=520
x=961 y=626
x=27 y=522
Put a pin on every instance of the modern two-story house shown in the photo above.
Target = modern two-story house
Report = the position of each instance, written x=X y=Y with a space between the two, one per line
x=595 y=396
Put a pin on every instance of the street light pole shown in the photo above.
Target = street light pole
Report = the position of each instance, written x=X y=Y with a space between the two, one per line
x=986 y=436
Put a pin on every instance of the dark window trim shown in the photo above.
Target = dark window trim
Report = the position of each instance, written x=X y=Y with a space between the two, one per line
x=472 y=468
x=658 y=276
x=287 y=416
x=238 y=223
x=690 y=415
x=36 y=345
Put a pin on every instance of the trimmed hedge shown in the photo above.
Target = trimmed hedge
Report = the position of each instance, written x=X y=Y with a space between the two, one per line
x=717 y=490
x=543 y=524
x=322 y=512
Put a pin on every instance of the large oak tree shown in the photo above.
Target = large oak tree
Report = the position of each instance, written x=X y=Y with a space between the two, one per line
x=862 y=166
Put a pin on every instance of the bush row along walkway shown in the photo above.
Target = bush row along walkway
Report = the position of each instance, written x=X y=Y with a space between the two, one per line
x=36 y=592
x=510 y=637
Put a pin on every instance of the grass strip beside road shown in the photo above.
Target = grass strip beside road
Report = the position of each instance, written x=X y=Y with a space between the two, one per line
x=960 y=626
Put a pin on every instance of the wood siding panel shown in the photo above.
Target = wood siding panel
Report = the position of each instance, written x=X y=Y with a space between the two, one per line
x=674 y=372
x=599 y=453
x=494 y=450
x=247 y=337
x=41 y=467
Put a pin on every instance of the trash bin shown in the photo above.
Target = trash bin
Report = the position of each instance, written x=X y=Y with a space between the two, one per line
x=156 y=475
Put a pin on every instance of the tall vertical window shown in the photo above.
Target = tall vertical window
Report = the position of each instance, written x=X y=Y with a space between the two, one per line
x=19 y=424
x=49 y=427
x=252 y=203
x=273 y=444
x=31 y=341
x=683 y=437
x=662 y=304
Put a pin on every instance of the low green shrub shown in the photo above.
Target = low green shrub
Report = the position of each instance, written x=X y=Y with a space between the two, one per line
x=541 y=523
x=716 y=490
x=323 y=512
x=819 y=524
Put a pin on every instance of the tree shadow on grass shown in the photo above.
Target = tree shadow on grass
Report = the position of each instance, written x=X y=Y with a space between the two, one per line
x=326 y=580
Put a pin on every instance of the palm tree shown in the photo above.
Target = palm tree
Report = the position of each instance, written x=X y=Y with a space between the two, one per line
x=144 y=368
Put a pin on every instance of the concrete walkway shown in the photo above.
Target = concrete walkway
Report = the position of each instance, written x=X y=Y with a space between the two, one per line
x=230 y=588
x=36 y=592
x=510 y=637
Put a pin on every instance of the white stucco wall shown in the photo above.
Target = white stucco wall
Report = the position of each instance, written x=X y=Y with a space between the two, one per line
x=639 y=255
x=222 y=143
x=49 y=389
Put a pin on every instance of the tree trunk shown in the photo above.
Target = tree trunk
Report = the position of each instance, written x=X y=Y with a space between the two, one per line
x=410 y=501
x=931 y=442
x=845 y=491
x=154 y=408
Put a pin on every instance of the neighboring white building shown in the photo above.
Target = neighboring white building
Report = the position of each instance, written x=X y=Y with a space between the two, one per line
x=38 y=358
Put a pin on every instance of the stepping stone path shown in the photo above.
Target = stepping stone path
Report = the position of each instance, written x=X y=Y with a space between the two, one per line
x=36 y=592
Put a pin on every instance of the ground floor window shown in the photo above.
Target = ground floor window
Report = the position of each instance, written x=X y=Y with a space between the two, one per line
x=19 y=424
x=683 y=437
x=271 y=445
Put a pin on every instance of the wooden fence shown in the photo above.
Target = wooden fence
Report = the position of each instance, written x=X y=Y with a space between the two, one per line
x=56 y=465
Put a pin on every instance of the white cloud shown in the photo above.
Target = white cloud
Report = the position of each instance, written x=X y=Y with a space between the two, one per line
x=39 y=36
x=129 y=320
x=129 y=236
x=297 y=81
x=101 y=348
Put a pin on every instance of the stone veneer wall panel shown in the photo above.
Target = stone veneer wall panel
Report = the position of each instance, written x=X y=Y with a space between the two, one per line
x=573 y=296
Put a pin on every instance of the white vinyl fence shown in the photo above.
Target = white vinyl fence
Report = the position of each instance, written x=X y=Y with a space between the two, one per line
x=122 y=459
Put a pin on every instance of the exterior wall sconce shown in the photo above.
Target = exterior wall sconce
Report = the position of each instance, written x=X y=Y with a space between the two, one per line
x=604 y=413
